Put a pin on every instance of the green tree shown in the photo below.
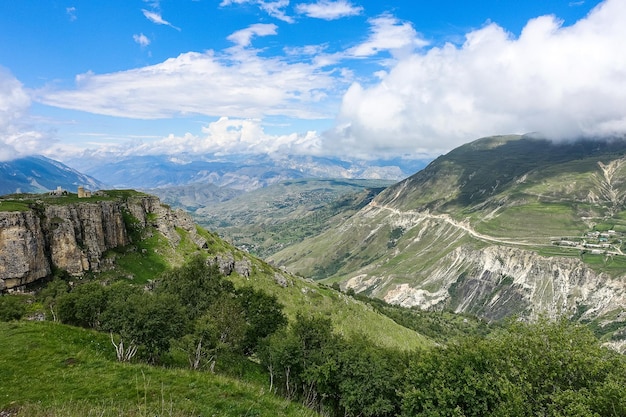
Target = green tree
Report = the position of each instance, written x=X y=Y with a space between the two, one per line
x=83 y=306
x=196 y=285
x=12 y=307
x=148 y=321
x=201 y=343
x=461 y=379
x=50 y=294
x=553 y=368
x=263 y=314
x=302 y=361
x=370 y=379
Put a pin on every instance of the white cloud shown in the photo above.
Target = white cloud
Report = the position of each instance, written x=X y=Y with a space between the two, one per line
x=17 y=139
x=560 y=81
x=387 y=33
x=156 y=18
x=224 y=136
x=71 y=13
x=142 y=39
x=274 y=8
x=329 y=10
x=238 y=84
x=243 y=37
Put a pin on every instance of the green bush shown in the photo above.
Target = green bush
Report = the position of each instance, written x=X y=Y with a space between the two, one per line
x=12 y=307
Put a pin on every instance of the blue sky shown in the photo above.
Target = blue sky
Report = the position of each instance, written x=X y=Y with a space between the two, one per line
x=366 y=79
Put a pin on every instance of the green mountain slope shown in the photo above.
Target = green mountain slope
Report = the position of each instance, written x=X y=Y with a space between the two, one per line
x=500 y=226
x=265 y=220
x=169 y=238
x=50 y=369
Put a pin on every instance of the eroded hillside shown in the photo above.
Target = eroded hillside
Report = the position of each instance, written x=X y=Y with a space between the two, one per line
x=502 y=226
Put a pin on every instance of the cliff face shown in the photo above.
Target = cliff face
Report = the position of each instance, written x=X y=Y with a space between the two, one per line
x=74 y=237
x=497 y=282
x=22 y=249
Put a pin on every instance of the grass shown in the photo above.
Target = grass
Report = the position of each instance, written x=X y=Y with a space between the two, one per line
x=534 y=220
x=23 y=202
x=49 y=369
x=349 y=316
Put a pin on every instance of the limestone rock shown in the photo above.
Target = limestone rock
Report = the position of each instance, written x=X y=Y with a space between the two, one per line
x=22 y=249
x=74 y=236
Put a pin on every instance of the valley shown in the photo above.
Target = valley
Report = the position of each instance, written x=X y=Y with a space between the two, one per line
x=392 y=274
x=482 y=232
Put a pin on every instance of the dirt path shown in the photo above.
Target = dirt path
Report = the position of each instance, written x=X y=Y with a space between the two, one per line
x=465 y=226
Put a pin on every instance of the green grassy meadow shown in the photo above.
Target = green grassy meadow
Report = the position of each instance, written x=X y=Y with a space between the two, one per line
x=49 y=369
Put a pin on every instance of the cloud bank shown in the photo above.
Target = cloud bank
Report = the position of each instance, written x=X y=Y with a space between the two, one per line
x=16 y=138
x=416 y=99
x=224 y=136
x=238 y=84
x=562 y=82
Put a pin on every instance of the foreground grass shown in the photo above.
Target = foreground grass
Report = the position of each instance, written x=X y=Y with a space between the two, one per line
x=49 y=369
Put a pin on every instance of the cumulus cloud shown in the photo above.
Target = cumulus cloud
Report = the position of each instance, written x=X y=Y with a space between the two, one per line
x=240 y=84
x=141 y=39
x=224 y=136
x=329 y=10
x=71 y=13
x=243 y=37
x=562 y=82
x=16 y=138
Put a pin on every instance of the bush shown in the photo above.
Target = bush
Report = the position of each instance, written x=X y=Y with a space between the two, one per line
x=12 y=307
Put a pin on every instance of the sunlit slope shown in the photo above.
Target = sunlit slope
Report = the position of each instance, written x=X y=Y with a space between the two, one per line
x=481 y=229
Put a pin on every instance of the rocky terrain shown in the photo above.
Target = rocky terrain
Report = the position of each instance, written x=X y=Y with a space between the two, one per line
x=500 y=227
x=75 y=236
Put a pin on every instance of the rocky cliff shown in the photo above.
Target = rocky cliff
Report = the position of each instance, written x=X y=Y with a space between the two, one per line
x=74 y=236
x=477 y=274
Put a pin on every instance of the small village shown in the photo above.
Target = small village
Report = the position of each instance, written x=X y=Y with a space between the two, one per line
x=595 y=242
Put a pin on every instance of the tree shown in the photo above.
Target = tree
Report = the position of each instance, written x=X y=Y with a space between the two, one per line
x=196 y=285
x=370 y=378
x=201 y=343
x=551 y=368
x=12 y=307
x=49 y=295
x=302 y=361
x=83 y=306
x=147 y=321
x=263 y=314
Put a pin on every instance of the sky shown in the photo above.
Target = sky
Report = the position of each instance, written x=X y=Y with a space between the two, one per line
x=363 y=79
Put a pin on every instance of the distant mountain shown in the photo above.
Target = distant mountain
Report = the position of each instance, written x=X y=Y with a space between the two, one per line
x=240 y=172
x=36 y=174
x=502 y=226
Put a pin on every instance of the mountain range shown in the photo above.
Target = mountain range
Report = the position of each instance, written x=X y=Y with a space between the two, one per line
x=37 y=174
x=239 y=172
x=502 y=226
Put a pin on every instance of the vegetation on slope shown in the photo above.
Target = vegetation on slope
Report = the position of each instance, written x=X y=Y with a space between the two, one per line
x=49 y=369
x=25 y=201
x=268 y=219
x=520 y=369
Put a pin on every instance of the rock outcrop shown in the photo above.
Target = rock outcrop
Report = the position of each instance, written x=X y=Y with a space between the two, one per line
x=497 y=282
x=74 y=236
